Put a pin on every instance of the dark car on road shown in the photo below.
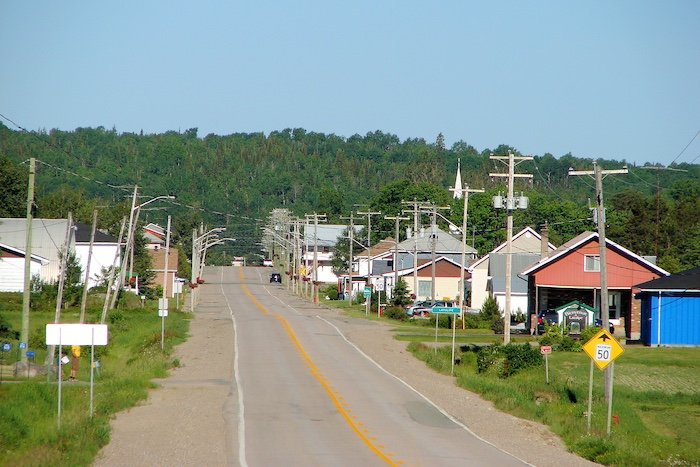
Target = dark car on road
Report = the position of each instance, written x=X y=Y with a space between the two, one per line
x=276 y=277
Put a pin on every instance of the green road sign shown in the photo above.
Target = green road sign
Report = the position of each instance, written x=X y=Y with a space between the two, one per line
x=445 y=309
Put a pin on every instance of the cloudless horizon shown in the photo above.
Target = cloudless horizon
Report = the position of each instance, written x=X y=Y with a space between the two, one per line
x=613 y=80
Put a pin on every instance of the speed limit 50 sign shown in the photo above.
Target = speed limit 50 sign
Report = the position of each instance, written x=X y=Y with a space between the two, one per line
x=603 y=349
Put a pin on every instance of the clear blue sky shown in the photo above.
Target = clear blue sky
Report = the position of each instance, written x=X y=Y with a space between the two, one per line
x=611 y=79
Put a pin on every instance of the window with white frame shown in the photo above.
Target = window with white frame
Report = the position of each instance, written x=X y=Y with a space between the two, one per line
x=591 y=263
x=425 y=288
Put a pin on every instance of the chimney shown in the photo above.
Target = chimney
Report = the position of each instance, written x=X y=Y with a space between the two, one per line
x=544 y=246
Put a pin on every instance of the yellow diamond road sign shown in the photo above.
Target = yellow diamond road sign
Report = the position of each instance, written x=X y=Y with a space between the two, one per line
x=603 y=349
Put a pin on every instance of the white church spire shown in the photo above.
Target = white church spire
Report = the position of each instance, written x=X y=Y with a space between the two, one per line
x=458 y=182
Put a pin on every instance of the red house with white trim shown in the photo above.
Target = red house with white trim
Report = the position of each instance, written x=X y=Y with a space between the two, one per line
x=572 y=272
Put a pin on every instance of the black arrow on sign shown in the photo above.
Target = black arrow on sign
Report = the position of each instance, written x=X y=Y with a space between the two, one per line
x=604 y=337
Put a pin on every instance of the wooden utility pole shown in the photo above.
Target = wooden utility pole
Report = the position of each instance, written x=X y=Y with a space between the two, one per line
x=369 y=215
x=398 y=219
x=598 y=174
x=416 y=214
x=61 y=282
x=113 y=273
x=351 y=231
x=464 y=192
x=314 y=277
x=511 y=204
x=26 y=296
x=129 y=241
x=83 y=301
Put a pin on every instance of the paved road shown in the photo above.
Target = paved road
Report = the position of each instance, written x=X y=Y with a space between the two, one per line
x=269 y=379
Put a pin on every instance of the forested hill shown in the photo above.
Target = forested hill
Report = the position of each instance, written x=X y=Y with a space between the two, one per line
x=246 y=175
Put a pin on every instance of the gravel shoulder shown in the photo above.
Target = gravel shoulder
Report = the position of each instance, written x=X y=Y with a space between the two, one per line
x=187 y=419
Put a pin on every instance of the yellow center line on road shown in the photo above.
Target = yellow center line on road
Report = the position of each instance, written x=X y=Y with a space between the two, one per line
x=316 y=373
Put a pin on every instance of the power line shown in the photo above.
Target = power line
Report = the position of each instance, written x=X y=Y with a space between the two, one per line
x=686 y=147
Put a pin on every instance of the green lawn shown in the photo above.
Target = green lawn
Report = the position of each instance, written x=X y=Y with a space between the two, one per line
x=29 y=432
x=656 y=401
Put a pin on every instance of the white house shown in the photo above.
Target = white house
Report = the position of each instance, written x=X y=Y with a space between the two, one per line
x=320 y=240
x=48 y=238
x=485 y=279
x=12 y=268
x=105 y=252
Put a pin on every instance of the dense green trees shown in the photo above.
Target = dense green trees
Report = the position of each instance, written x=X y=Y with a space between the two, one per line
x=236 y=180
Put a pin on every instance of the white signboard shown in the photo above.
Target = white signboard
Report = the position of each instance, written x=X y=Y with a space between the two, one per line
x=76 y=334
x=379 y=285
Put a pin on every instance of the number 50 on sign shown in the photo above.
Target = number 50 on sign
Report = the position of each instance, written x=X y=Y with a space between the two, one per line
x=603 y=349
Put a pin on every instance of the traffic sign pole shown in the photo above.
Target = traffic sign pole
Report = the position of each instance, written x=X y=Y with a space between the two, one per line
x=546 y=350
x=612 y=372
x=590 y=397
x=603 y=350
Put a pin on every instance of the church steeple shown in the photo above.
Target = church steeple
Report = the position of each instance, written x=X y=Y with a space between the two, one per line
x=458 y=182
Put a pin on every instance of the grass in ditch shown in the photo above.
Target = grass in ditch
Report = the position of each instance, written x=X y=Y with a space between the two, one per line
x=656 y=402
x=29 y=432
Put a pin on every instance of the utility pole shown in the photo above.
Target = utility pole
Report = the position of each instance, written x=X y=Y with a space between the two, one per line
x=61 y=283
x=314 y=289
x=165 y=285
x=511 y=204
x=369 y=215
x=113 y=272
x=129 y=241
x=351 y=231
x=598 y=174
x=464 y=194
x=297 y=256
x=396 y=218
x=433 y=244
x=83 y=301
x=26 y=296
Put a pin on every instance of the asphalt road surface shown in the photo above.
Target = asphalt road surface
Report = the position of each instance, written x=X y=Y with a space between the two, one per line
x=270 y=379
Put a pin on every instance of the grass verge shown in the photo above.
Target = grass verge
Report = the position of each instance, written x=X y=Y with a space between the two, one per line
x=29 y=432
x=656 y=402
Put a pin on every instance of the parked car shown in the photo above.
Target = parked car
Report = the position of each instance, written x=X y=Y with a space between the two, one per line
x=267 y=263
x=548 y=317
x=418 y=308
x=611 y=326
x=424 y=311
x=276 y=277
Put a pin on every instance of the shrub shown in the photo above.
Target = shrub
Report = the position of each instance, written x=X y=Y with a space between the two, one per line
x=588 y=333
x=330 y=291
x=396 y=312
x=491 y=314
x=401 y=297
x=506 y=360
x=6 y=330
x=556 y=337
x=497 y=326
x=472 y=321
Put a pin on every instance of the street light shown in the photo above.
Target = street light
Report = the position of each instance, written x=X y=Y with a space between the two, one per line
x=129 y=250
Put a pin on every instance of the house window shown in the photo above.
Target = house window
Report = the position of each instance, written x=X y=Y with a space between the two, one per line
x=425 y=288
x=591 y=263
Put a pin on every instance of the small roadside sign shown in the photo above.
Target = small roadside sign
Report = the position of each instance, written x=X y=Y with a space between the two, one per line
x=379 y=285
x=603 y=349
x=546 y=350
x=453 y=310
x=6 y=347
x=367 y=292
